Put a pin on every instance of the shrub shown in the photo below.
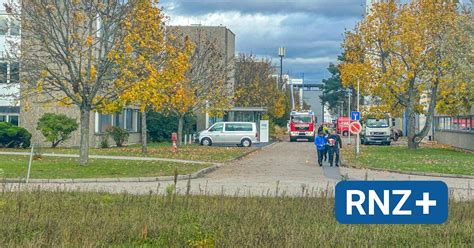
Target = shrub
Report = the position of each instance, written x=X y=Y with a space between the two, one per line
x=14 y=137
x=104 y=141
x=56 y=128
x=119 y=135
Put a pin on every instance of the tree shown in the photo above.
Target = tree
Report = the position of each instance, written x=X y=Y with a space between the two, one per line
x=66 y=53
x=207 y=86
x=56 y=128
x=411 y=58
x=334 y=92
x=152 y=59
x=255 y=86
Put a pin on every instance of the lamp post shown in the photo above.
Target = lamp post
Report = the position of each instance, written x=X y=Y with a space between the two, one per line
x=281 y=54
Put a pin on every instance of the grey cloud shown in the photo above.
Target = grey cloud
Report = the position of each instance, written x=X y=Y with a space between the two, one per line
x=333 y=9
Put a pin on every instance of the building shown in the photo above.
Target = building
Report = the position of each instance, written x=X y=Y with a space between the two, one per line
x=9 y=68
x=224 y=39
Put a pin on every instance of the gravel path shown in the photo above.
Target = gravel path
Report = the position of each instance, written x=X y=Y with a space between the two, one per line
x=284 y=168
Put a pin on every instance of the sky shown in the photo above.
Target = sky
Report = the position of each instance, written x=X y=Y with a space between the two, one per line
x=310 y=30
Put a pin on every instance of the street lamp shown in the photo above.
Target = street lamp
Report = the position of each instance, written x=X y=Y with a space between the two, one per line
x=281 y=54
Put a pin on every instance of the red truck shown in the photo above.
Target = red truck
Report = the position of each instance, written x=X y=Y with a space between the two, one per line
x=302 y=125
x=342 y=125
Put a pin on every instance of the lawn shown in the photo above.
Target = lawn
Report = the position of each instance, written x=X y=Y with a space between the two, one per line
x=425 y=159
x=53 y=168
x=47 y=219
x=160 y=150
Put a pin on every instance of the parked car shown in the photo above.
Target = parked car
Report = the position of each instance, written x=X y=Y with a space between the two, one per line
x=231 y=133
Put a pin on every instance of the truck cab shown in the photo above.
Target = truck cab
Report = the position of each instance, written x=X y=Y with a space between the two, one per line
x=376 y=131
x=302 y=125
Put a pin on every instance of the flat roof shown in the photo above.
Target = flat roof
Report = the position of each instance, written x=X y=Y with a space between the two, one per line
x=248 y=109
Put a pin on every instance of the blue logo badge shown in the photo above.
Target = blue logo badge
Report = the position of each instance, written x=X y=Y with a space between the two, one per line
x=391 y=202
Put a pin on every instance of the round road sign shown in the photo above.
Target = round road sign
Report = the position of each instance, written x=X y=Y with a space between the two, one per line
x=355 y=127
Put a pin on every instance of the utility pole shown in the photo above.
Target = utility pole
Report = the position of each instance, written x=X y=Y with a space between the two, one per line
x=358 y=110
x=281 y=54
x=349 y=114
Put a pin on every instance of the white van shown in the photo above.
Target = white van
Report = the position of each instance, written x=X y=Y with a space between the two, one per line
x=233 y=133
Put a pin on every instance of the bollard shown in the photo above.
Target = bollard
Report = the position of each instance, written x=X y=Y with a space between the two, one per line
x=174 y=138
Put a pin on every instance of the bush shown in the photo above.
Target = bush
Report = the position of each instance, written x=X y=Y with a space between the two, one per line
x=56 y=128
x=14 y=137
x=104 y=141
x=160 y=126
x=119 y=135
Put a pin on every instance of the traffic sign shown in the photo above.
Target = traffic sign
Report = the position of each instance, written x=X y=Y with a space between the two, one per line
x=355 y=116
x=355 y=127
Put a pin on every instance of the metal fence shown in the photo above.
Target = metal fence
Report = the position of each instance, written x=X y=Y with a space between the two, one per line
x=455 y=123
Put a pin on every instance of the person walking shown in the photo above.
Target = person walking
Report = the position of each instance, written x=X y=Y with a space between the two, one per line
x=334 y=143
x=320 y=143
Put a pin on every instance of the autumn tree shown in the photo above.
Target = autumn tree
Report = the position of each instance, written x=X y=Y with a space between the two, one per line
x=153 y=59
x=66 y=53
x=256 y=87
x=207 y=85
x=412 y=58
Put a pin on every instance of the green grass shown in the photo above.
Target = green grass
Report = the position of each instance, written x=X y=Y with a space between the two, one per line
x=425 y=159
x=159 y=150
x=42 y=219
x=53 y=168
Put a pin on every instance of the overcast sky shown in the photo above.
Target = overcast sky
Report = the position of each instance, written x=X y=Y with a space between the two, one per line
x=311 y=30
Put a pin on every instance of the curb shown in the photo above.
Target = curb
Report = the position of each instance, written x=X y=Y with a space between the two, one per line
x=194 y=175
x=414 y=173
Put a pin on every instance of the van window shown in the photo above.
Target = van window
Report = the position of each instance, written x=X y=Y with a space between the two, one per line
x=238 y=127
x=217 y=127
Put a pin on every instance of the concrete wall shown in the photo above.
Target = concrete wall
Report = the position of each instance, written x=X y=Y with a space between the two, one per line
x=463 y=140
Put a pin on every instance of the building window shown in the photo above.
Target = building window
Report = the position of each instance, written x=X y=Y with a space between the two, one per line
x=3 y=72
x=3 y=25
x=127 y=119
x=105 y=122
x=14 y=72
x=15 y=27
x=13 y=119
x=3 y=118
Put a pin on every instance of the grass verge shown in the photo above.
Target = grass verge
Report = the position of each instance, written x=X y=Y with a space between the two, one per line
x=424 y=159
x=159 y=150
x=54 y=168
x=46 y=219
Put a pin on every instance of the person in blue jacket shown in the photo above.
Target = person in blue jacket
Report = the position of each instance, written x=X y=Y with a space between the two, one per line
x=320 y=143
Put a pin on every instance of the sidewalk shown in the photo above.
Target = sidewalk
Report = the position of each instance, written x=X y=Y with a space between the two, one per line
x=112 y=157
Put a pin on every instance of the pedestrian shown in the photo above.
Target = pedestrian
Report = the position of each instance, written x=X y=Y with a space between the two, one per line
x=320 y=129
x=320 y=143
x=334 y=143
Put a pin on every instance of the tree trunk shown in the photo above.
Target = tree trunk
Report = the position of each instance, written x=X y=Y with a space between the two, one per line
x=180 y=129
x=412 y=144
x=85 y=124
x=144 y=133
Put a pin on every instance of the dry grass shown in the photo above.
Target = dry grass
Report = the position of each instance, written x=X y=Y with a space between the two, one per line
x=62 y=219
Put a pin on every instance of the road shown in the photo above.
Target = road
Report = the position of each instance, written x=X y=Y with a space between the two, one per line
x=281 y=169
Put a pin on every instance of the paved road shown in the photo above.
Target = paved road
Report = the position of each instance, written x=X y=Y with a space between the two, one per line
x=283 y=168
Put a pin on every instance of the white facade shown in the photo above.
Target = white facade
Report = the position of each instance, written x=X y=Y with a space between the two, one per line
x=10 y=34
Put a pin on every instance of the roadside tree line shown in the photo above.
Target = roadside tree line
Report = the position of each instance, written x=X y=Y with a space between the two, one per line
x=102 y=56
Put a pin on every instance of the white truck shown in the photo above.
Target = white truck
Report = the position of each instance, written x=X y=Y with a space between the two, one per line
x=376 y=131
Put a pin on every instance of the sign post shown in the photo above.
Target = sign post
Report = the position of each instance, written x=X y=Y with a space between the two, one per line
x=356 y=128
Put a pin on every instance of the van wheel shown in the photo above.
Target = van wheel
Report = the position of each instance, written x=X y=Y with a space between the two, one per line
x=206 y=142
x=311 y=139
x=246 y=143
x=292 y=139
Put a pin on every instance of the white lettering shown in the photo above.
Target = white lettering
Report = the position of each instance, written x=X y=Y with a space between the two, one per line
x=358 y=204
x=398 y=207
x=374 y=198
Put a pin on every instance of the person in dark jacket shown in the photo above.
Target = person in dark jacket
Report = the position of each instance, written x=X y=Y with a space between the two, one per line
x=320 y=143
x=334 y=143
